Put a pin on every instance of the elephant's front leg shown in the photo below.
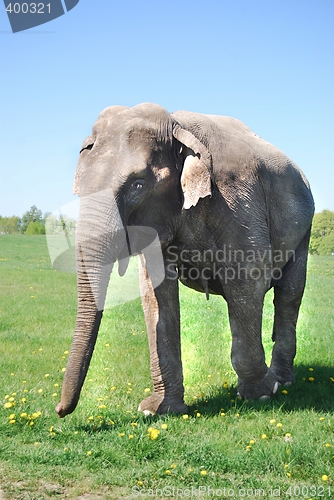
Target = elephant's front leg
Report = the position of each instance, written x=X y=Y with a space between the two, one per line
x=162 y=314
x=256 y=380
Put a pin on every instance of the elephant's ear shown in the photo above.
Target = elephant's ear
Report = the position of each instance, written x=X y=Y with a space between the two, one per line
x=196 y=172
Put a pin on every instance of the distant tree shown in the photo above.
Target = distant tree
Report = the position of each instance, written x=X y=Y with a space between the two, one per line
x=322 y=233
x=32 y=215
x=9 y=225
x=35 y=228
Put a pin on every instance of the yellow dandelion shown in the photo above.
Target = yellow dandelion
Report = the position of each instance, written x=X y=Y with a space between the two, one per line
x=12 y=421
x=311 y=379
x=102 y=407
x=279 y=425
x=322 y=418
x=248 y=448
x=272 y=421
x=32 y=423
x=121 y=434
x=198 y=414
x=11 y=416
x=89 y=453
x=164 y=426
x=63 y=370
x=167 y=471
x=264 y=436
x=47 y=375
x=252 y=441
x=203 y=473
x=185 y=416
x=11 y=399
x=327 y=445
x=284 y=391
x=310 y=369
x=140 y=483
x=23 y=415
x=147 y=390
x=55 y=385
x=223 y=414
x=324 y=477
x=288 y=474
x=40 y=391
x=91 y=417
x=173 y=466
x=131 y=436
x=113 y=388
x=54 y=394
x=8 y=405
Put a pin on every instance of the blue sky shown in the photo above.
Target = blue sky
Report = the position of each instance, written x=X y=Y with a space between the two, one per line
x=268 y=63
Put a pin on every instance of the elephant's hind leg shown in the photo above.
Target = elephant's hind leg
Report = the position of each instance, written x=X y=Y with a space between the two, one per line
x=288 y=292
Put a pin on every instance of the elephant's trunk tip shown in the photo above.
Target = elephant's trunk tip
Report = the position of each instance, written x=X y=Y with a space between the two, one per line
x=62 y=412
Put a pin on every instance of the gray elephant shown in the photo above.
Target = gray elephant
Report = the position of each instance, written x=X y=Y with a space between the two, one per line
x=233 y=217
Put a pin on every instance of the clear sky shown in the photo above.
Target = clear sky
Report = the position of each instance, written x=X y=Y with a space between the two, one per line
x=269 y=63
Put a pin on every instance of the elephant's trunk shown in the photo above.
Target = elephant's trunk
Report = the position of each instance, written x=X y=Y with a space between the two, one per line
x=99 y=240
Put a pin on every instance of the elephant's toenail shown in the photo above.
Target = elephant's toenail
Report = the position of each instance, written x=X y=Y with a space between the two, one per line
x=275 y=388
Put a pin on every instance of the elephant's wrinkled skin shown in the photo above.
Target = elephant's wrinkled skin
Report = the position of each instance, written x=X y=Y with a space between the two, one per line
x=205 y=184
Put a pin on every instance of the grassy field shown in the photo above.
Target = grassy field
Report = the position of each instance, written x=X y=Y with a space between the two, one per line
x=223 y=448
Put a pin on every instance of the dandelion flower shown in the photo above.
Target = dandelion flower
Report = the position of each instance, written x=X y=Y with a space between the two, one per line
x=252 y=441
x=198 y=414
x=8 y=405
x=63 y=370
x=310 y=369
x=264 y=436
x=279 y=425
x=223 y=414
x=91 y=417
x=147 y=389
x=203 y=473
x=140 y=483
x=272 y=421
x=12 y=421
x=47 y=375
x=324 y=477
x=327 y=445
x=40 y=391
x=173 y=466
x=311 y=379
x=23 y=415
x=54 y=394
x=185 y=417
x=11 y=416
x=131 y=436
x=164 y=426
x=284 y=391
x=89 y=453
x=121 y=434
x=102 y=407
x=167 y=471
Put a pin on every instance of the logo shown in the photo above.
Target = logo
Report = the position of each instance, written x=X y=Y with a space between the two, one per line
x=25 y=15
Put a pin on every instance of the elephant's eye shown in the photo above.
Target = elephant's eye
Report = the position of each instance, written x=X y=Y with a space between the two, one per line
x=137 y=186
x=89 y=147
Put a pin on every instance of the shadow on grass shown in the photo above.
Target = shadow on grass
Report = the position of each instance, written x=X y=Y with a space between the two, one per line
x=313 y=390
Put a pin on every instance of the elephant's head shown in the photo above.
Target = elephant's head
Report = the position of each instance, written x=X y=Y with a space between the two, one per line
x=138 y=168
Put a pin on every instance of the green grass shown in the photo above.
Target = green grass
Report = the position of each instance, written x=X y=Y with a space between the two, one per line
x=224 y=442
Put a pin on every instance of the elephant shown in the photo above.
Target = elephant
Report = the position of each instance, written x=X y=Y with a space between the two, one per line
x=232 y=215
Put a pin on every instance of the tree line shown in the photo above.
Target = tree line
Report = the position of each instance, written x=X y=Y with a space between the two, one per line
x=33 y=222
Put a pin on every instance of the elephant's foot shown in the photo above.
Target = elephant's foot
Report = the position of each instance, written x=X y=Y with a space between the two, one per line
x=263 y=389
x=160 y=404
x=284 y=374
